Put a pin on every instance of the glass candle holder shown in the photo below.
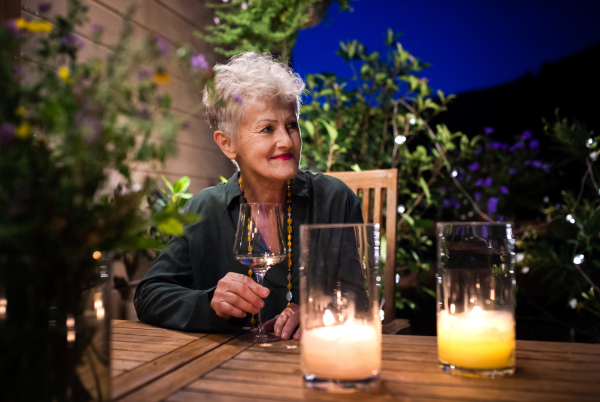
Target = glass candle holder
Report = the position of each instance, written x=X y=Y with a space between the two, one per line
x=475 y=299
x=339 y=292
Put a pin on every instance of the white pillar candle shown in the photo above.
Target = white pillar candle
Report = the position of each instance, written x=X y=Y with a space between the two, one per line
x=342 y=352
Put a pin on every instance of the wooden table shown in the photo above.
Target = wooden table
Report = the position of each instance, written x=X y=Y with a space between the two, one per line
x=151 y=364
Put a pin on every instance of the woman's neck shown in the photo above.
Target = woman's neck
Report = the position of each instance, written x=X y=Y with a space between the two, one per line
x=271 y=192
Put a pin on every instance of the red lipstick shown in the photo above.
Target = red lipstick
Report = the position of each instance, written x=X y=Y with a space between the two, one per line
x=283 y=157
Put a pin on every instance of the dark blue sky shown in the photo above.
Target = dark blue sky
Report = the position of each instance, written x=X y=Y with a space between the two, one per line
x=471 y=44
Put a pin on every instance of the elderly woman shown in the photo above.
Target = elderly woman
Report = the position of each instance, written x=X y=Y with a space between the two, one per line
x=196 y=284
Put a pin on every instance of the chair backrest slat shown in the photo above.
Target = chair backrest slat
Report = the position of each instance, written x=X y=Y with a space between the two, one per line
x=378 y=180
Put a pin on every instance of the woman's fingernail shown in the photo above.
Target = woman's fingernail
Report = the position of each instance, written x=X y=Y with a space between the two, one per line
x=277 y=333
x=284 y=335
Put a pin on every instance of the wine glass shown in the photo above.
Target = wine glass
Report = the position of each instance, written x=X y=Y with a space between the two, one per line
x=259 y=244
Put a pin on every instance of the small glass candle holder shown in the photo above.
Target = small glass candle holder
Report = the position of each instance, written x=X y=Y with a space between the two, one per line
x=475 y=299
x=339 y=292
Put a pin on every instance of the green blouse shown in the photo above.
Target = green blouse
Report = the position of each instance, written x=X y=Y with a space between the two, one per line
x=177 y=289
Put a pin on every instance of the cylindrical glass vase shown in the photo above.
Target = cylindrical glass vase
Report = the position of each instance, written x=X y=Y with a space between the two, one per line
x=339 y=292
x=475 y=299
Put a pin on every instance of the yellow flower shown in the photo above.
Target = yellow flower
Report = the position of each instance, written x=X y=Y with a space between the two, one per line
x=23 y=131
x=39 y=26
x=33 y=26
x=20 y=111
x=160 y=78
x=64 y=74
x=21 y=23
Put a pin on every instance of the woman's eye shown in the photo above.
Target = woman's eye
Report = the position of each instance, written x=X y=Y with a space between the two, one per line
x=293 y=125
x=268 y=129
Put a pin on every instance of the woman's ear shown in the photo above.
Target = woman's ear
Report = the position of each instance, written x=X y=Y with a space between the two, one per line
x=225 y=143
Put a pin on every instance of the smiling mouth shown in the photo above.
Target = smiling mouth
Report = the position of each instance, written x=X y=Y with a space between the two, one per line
x=283 y=157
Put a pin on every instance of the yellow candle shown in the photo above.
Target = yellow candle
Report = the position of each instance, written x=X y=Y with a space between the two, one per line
x=476 y=340
x=342 y=352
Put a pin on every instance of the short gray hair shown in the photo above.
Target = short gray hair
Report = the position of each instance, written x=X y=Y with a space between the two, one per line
x=245 y=79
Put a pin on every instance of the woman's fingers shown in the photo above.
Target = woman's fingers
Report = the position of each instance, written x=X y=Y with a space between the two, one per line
x=287 y=322
x=236 y=295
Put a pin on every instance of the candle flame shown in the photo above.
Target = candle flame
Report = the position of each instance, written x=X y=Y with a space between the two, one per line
x=328 y=318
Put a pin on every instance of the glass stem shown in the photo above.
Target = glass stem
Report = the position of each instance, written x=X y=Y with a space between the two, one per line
x=259 y=279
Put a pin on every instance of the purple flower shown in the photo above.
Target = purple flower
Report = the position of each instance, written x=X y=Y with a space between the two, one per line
x=517 y=145
x=497 y=145
x=7 y=133
x=526 y=135
x=238 y=98
x=457 y=205
x=512 y=170
x=69 y=41
x=488 y=182
x=534 y=144
x=447 y=203
x=504 y=189
x=12 y=26
x=143 y=74
x=474 y=166
x=97 y=29
x=44 y=7
x=244 y=5
x=477 y=196
x=492 y=205
x=164 y=46
x=216 y=20
x=536 y=164
x=199 y=62
x=500 y=218
x=477 y=151
x=488 y=130
x=145 y=114
x=479 y=183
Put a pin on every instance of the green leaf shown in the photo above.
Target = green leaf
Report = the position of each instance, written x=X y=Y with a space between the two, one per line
x=408 y=219
x=168 y=183
x=171 y=226
x=331 y=129
x=425 y=188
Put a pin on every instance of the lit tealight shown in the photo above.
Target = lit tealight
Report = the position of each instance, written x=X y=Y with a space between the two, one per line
x=97 y=255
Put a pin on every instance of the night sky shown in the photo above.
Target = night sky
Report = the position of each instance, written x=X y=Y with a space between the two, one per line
x=471 y=44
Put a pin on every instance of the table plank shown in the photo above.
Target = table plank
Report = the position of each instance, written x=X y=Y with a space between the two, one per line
x=161 y=340
x=179 y=368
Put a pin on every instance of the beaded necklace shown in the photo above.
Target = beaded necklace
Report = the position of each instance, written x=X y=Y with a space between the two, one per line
x=288 y=295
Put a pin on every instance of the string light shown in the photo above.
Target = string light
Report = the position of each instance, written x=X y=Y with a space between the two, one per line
x=578 y=259
x=401 y=209
x=400 y=139
x=412 y=120
x=454 y=173
x=570 y=218
x=589 y=142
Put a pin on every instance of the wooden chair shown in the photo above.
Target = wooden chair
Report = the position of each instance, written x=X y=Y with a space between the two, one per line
x=377 y=181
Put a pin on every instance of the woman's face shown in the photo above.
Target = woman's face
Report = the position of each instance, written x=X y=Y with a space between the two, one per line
x=268 y=144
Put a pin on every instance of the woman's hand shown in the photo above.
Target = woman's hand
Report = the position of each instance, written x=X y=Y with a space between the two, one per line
x=287 y=323
x=236 y=295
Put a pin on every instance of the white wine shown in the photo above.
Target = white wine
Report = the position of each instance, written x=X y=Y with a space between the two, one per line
x=262 y=263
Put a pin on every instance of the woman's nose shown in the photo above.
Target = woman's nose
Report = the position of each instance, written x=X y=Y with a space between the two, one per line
x=284 y=138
